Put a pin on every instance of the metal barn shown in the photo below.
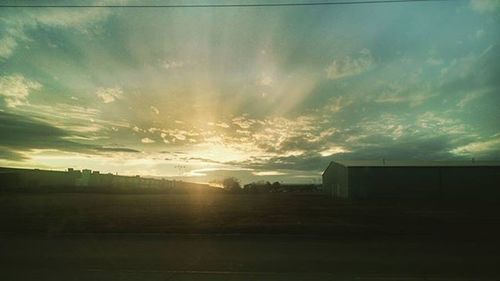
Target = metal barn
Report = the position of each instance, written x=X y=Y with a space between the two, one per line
x=379 y=179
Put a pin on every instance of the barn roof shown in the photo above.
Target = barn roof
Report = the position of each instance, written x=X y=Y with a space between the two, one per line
x=414 y=163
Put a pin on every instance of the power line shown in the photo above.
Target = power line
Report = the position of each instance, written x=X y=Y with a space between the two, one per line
x=227 y=5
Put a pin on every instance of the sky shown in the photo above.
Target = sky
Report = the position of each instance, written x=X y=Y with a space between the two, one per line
x=260 y=93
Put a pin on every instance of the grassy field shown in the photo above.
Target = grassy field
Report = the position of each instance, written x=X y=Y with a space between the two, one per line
x=239 y=213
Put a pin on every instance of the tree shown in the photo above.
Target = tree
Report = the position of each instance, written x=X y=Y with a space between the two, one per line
x=275 y=186
x=231 y=184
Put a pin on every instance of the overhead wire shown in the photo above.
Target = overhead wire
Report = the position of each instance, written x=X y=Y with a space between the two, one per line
x=229 y=5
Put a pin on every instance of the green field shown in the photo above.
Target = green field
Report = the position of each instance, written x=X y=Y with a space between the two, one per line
x=243 y=213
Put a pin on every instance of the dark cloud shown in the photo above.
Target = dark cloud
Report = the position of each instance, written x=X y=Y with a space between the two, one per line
x=117 y=149
x=21 y=133
x=430 y=148
x=298 y=143
x=473 y=73
x=173 y=152
x=10 y=155
x=202 y=159
x=305 y=162
x=433 y=148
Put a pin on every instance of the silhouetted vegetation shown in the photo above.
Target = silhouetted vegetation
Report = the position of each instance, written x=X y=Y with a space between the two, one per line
x=266 y=186
x=231 y=184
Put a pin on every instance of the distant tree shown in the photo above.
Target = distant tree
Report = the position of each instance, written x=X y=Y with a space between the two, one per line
x=231 y=184
x=260 y=186
x=267 y=187
x=275 y=186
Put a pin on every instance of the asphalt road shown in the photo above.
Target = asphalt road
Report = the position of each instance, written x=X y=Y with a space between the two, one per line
x=243 y=257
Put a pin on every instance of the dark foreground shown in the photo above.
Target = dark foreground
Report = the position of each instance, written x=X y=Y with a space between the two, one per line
x=245 y=237
x=219 y=213
x=242 y=257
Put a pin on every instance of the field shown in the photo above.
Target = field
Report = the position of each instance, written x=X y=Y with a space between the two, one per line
x=218 y=236
x=244 y=213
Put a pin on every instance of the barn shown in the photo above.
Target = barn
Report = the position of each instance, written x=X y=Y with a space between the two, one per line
x=415 y=179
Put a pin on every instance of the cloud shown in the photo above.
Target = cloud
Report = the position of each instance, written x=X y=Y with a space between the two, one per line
x=389 y=128
x=155 y=110
x=484 y=6
x=7 y=46
x=480 y=33
x=408 y=89
x=6 y=154
x=348 y=66
x=307 y=144
x=411 y=98
x=18 y=24
x=407 y=147
x=310 y=161
x=469 y=97
x=201 y=159
x=117 y=149
x=243 y=122
x=76 y=118
x=80 y=19
x=108 y=95
x=333 y=150
x=434 y=61
x=222 y=125
x=20 y=134
x=337 y=104
x=480 y=148
x=15 y=89
x=172 y=64
x=11 y=37
x=265 y=80
x=147 y=140
x=164 y=137
x=153 y=130
x=180 y=136
x=268 y=173
x=222 y=172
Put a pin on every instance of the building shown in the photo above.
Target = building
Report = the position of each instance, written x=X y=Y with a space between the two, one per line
x=379 y=179
x=22 y=179
x=36 y=178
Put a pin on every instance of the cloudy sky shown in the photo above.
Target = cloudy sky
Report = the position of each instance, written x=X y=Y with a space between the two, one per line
x=269 y=93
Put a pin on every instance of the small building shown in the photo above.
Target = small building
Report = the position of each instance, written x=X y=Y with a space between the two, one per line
x=414 y=179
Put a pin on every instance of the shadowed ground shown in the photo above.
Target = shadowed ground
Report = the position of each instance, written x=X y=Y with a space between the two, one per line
x=242 y=257
x=239 y=213
x=281 y=237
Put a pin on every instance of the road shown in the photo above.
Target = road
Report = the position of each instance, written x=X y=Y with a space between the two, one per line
x=243 y=257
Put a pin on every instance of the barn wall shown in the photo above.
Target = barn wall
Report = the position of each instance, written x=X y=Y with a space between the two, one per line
x=424 y=182
x=376 y=182
x=335 y=181
x=471 y=182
